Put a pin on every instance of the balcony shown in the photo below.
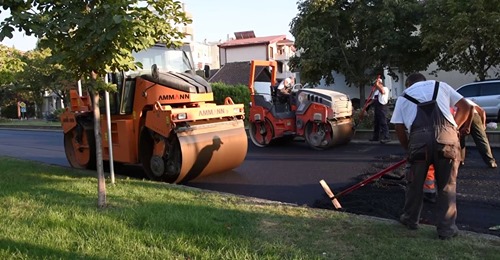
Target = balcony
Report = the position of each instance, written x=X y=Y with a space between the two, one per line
x=283 y=56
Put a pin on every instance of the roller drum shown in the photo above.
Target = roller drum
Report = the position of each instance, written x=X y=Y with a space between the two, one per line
x=343 y=132
x=212 y=148
x=322 y=136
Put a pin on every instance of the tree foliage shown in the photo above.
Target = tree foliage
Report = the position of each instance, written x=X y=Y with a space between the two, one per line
x=96 y=36
x=464 y=35
x=93 y=37
x=10 y=64
x=356 y=38
x=40 y=75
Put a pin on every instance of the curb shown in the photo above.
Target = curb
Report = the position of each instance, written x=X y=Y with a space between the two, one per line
x=360 y=136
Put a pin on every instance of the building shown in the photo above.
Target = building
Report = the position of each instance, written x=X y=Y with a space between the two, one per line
x=205 y=54
x=246 y=47
x=237 y=73
x=396 y=84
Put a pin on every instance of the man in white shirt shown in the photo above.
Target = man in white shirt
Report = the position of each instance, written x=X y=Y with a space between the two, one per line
x=428 y=132
x=286 y=85
x=284 y=93
x=379 y=101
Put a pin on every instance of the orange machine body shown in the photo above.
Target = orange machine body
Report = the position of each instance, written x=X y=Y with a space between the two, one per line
x=322 y=117
x=166 y=121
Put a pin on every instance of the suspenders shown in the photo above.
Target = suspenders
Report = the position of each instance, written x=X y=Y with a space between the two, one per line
x=434 y=96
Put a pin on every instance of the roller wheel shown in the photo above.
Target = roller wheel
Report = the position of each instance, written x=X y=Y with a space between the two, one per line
x=261 y=133
x=319 y=136
x=160 y=168
x=79 y=146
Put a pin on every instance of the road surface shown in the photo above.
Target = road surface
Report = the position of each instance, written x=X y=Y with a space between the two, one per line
x=288 y=173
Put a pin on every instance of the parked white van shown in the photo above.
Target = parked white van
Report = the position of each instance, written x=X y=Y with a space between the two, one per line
x=486 y=94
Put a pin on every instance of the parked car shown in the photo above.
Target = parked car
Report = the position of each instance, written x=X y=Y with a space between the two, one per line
x=486 y=94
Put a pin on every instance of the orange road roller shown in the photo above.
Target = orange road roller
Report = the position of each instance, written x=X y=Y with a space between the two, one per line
x=164 y=119
x=322 y=117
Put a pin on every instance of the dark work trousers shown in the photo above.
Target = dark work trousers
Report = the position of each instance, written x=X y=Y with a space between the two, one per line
x=480 y=139
x=444 y=152
x=380 y=128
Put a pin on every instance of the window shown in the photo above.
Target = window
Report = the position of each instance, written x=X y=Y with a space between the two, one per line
x=127 y=104
x=490 y=89
x=469 y=91
x=280 y=66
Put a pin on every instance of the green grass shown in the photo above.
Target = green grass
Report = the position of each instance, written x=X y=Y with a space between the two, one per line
x=49 y=212
x=30 y=122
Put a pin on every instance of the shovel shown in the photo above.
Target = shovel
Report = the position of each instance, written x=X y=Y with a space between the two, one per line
x=367 y=101
x=334 y=198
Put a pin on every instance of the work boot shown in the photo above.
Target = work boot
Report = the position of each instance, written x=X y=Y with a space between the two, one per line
x=411 y=226
x=492 y=164
x=448 y=237
x=385 y=140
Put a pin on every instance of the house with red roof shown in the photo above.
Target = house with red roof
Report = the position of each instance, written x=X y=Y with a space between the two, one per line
x=246 y=47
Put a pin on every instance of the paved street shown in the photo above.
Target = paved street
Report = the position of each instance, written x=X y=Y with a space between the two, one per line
x=289 y=173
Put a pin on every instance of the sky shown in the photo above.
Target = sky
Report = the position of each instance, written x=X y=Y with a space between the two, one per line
x=215 y=20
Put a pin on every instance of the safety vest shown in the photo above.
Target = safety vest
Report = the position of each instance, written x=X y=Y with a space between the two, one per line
x=430 y=182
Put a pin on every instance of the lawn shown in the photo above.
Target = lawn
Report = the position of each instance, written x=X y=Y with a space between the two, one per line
x=28 y=123
x=49 y=212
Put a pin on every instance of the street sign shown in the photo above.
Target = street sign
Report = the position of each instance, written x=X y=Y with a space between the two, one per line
x=22 y=104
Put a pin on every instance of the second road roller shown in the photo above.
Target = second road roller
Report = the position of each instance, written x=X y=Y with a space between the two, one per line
x=322 y=117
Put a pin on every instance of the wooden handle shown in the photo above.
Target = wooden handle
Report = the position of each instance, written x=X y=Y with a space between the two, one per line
x=330 y=194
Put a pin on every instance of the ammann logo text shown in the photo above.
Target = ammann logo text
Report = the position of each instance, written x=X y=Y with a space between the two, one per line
x=173 y=97
x=212 y=112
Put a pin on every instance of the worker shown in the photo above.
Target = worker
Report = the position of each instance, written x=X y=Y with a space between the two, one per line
x=476 y=127
x=284 y=91
x=427 y=130
x=285 y=87
x=379 y=101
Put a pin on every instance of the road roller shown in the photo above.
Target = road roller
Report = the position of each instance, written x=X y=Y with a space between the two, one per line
x=322 y=117
x=164 y=119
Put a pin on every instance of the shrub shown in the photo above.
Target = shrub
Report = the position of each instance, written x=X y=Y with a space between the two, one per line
x=367 y=121
x=238 y=93
x=10 y=111
x=54 y=116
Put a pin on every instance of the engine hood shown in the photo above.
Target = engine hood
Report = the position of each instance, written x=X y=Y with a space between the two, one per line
x=187 y=82
x=339 y=102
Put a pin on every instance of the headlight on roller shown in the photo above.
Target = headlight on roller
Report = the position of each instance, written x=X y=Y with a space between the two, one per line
x=181 y=116
x=318 y=117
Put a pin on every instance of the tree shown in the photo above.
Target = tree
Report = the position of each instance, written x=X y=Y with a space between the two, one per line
x=94 y=37
x=464 y=35
x=10 y=65
x=357 y=39
x=40 y=75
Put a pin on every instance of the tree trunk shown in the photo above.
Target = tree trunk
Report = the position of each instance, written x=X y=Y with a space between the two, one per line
x=482 y=75
x=101 y=181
